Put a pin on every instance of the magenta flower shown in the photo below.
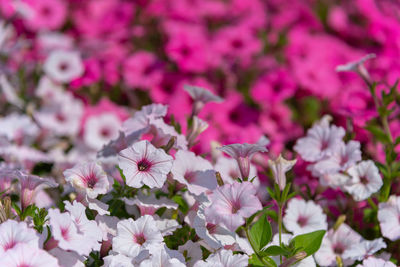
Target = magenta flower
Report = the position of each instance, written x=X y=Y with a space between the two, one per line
x=243 y=154
x=144 y=164
x=232 y=203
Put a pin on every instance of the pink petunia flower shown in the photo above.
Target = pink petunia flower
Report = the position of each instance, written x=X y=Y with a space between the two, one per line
x=27 y=256
x=46 y=15
x=231 y=203
x=88 y=177
x=193 y=171
x=243 y=154
x=144 y=164
x=13 y=233
x=304 y=216
x=388 y=217
x=136 y=237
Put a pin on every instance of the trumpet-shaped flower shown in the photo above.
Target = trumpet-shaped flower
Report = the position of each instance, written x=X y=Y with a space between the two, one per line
x=144 y=164
x=231 y=203
x=193 y=171
x=13 y=233
x=243 y=154
x=24 y=255
x=388 y=217
x=224 y=258
x=279 y=168
x=322 y=140
x=304 y=216
x=365 y=180
x=135 y=237
x=88 y=177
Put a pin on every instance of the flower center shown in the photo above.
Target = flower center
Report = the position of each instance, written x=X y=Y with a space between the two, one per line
x=364 y=180
x=60 y=117
x=237 y=43
x=302 y=221
x=189 y=176
x=338 y=249
x=235 y=207
x=324 y=145
x=139 y=239
x=63 y=66
x=9 y=245
x=105 y=132
x=144 y=165
x=212 y=228
x=91 y=180
x=64 y=233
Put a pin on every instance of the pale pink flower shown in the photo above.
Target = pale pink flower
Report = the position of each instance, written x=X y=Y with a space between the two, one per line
x=24 y=255
x=108 y=225
x=118 y=260
x=135 y=237
x=62 y=117
x=49 y=91
x=243 y=154
x=388 y=217
x=30 y=184
x=144 y=164
x=365 y=249
x=65 y=231
x=18 y=128
x=337 y=243
x=101 y=129
x=141 y=119
x=214 y=236
x=279 y=168
x=90 y=231
x=304 y=216
x=365 y=180
x=224 y=258
x=89 y=178
x=229 y=170
x=13 y=233
x=321 y=141
x=358 y=67
x=346 y=156
x=201 y=96
x=46 y=15
x=150 y=204
x=193 y=171
x=161 y=258
x=376 y=262
x=231 y=203
x=63 y=66
x=113 y=147
x=68 y=258
x=163 y=132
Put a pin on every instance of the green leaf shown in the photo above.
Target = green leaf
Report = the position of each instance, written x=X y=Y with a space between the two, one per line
x=254 y=261
x=251 y=218
x=378 y=133
x=309 y=243
x=261 y=232
x=183 y=206
x=274 y=251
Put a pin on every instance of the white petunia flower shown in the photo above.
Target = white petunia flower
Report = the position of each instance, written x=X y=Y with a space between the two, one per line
x=376 y=262
x=193 y=171
x=24 y=255
x=337 y=243
x=88 y=177
x=365 y=180
x=161 y=258
x=101 y=129
x=304 y=216
x=63 y=66
x=388 y=217
x=144 y=164
x=321 y=141
x=224 y=258
x=136 y=237
x=13 y=233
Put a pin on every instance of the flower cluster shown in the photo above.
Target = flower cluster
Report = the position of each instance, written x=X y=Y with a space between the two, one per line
x=199 y=133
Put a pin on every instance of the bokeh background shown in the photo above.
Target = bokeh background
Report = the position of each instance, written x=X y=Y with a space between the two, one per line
x=272 y=61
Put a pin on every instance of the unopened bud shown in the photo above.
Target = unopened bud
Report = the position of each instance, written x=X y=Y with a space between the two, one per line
x=339 y=221
x=219 y=179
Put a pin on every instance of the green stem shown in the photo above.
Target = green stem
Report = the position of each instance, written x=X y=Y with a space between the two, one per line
x=246 y=230
x=280 y=229
x=372 y=204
